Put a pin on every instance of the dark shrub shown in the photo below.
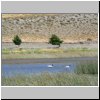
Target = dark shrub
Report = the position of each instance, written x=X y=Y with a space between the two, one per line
x=55 y=40
x=17 y=40
x=88 y=39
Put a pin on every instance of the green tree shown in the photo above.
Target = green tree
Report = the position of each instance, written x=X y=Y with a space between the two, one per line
x=17 y=40
x=55 y=40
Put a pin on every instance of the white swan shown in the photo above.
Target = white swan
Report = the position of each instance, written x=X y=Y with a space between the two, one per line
x=67 y=66
x=50 y=65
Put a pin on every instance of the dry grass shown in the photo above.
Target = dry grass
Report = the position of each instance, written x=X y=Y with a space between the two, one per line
x=48 y=53
x=56 y=79
x=26 y=37
x=14 y=16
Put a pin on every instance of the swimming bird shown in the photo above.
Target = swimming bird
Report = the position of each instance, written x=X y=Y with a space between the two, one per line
x=67 y=66
x=50 y=65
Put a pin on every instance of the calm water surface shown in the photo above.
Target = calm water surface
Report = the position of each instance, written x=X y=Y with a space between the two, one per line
x=29 y=66
x=27 y=69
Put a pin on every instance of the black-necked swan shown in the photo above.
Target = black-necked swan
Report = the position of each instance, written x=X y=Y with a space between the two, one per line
x=50 y=65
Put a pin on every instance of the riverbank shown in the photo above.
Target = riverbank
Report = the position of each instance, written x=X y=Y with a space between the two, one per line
x=20 y=53
x=47 y=60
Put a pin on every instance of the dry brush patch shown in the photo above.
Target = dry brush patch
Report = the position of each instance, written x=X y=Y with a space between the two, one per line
x=39 y=27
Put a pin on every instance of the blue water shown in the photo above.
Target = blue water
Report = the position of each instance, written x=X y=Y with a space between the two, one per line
x=9 y=70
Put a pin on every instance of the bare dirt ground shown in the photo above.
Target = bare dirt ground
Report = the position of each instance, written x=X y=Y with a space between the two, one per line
x=92 y=45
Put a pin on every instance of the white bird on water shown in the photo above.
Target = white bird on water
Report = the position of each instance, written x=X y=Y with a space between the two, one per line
x=50 y=66
x=67 y=66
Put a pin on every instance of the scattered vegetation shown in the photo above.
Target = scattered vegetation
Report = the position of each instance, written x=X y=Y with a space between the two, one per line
x=81 y=42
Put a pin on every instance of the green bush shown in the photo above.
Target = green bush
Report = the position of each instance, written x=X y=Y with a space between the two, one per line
x=17 y=40
x=55 y=40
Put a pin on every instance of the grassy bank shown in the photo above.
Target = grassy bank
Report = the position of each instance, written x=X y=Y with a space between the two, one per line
x=48 y=53
x=46 y=79
x=86 y=74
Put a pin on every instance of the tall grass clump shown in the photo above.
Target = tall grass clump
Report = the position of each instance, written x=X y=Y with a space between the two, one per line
x=87 y=67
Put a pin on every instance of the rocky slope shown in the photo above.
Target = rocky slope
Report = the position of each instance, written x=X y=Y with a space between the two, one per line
x=39 y=27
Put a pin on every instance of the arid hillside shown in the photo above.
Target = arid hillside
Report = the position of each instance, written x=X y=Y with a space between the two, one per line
x=39 y=27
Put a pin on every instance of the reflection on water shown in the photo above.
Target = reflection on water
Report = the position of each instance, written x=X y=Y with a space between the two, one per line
x=9 y=70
